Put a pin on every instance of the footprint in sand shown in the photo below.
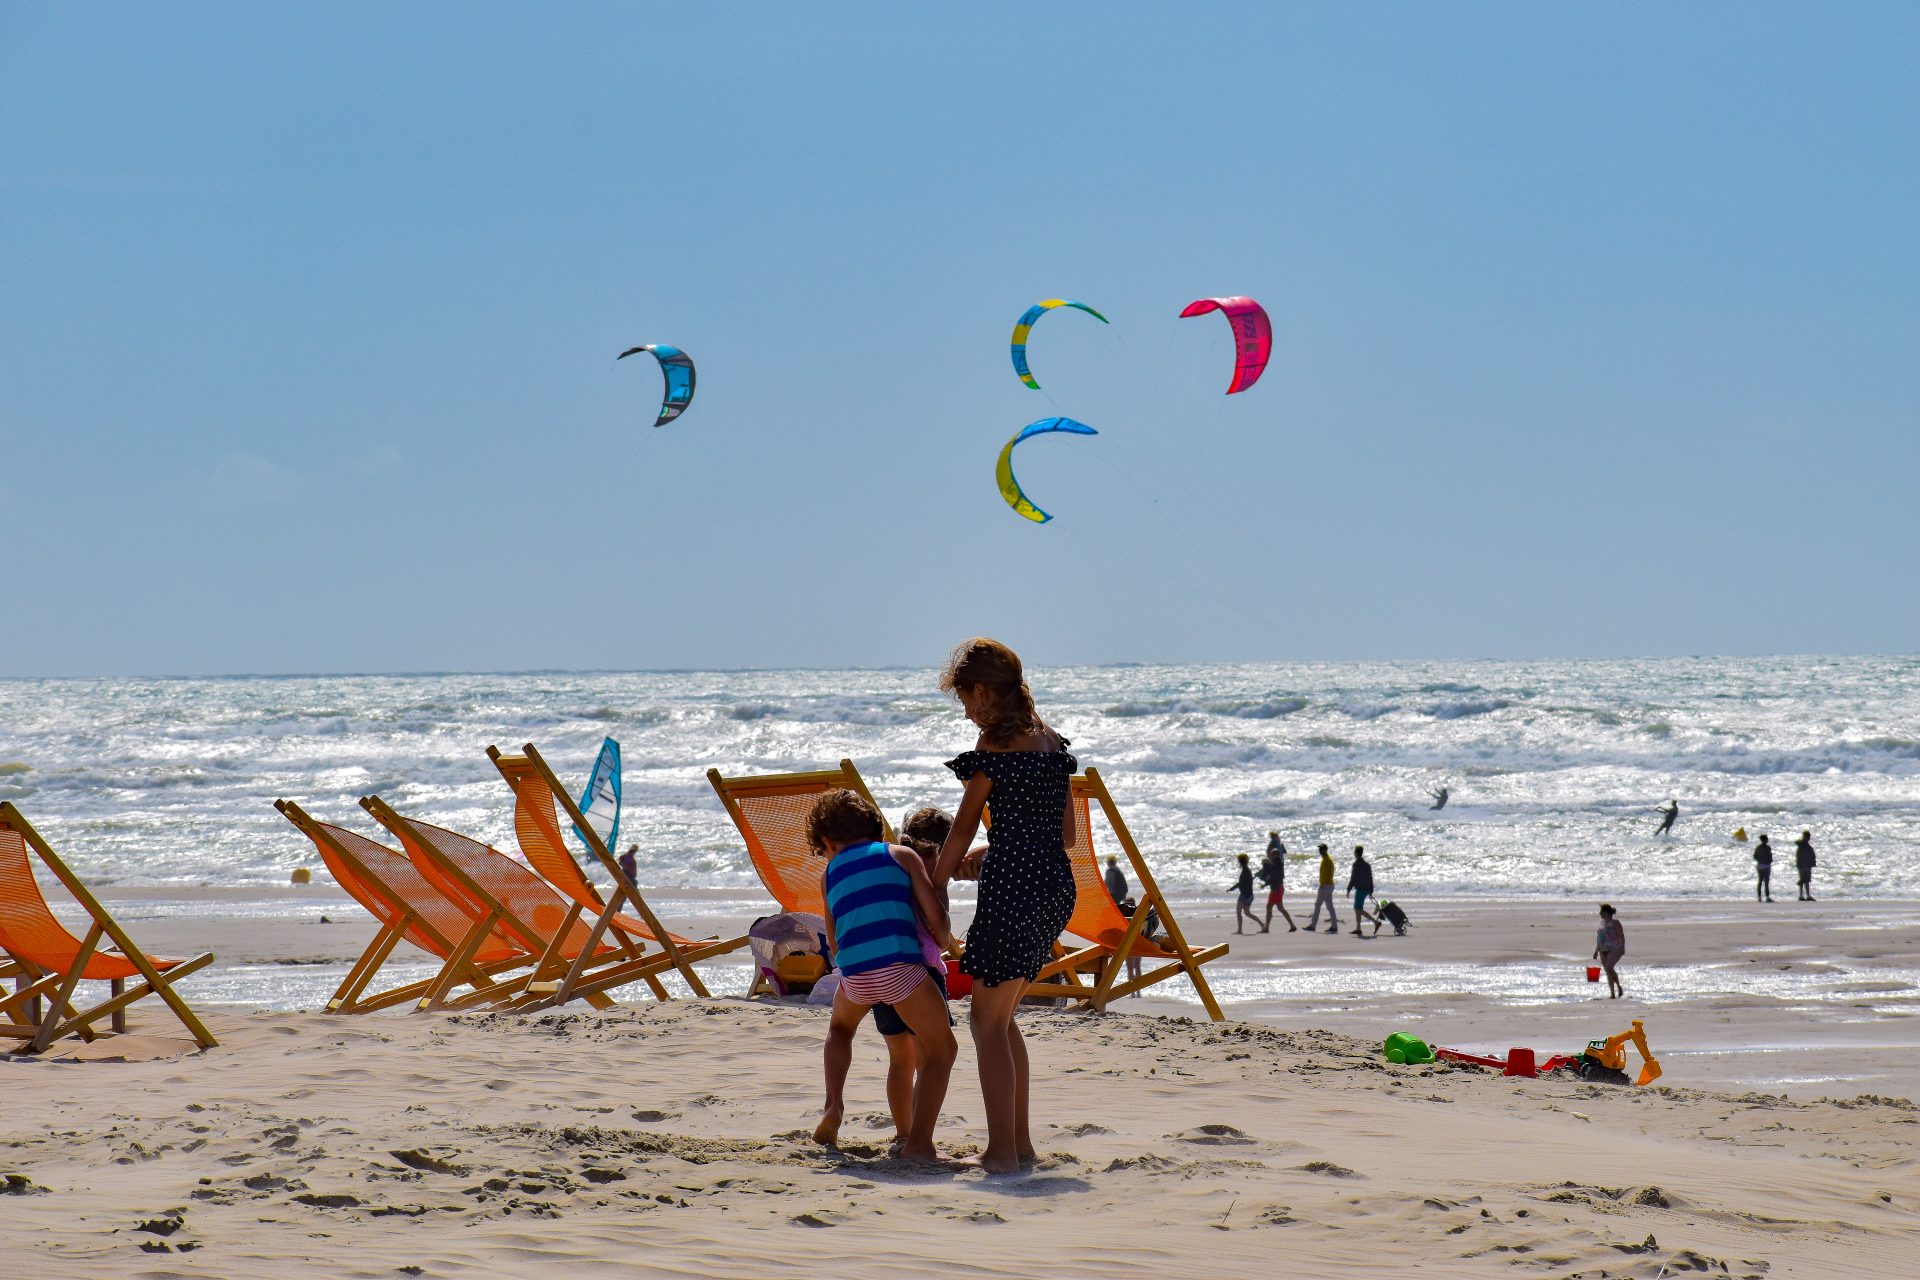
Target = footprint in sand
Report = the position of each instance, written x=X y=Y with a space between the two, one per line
x=1327 y=1169
x=1213 y=1135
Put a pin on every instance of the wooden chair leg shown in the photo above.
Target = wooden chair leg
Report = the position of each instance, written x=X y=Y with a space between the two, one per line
x=52 y=1029
x=118 y=987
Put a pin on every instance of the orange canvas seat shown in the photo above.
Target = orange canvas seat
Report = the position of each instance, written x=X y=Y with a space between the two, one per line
x=412 y=908
x=539 y=801
x=49 y=962
x=770 y=810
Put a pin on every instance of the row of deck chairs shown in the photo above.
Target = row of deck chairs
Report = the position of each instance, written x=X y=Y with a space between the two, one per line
x=512 y=934
x=507 y=934
x=524 y=936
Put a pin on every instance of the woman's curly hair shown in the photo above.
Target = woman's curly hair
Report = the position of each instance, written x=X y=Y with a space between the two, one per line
x=986 y=664
x=842 y=817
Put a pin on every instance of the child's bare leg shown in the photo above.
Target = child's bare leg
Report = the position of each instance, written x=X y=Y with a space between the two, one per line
x=925 y=1013
x=839 y=1058
x=1022 y=1138
x=902 y=1062
x=991 y=1020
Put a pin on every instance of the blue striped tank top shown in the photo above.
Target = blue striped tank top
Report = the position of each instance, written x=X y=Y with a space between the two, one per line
x=872 y=903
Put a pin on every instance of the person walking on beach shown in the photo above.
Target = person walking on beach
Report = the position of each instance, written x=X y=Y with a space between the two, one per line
x=628 y=866
x=1668 y=816
x=1803 y=860
x=1609 y=944
x=1026 y=882
x=885 y=926
x=1763 y=868
x=1360 y=885
x=1273 y=874
x=1116 y=880
x=1244 y=888
x=1323 y=897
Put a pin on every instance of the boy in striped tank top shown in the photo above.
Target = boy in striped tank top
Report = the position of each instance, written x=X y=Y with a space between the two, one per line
x=878 y=896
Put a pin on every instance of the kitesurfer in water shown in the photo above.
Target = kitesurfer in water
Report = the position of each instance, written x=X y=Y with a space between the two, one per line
x=1439 y=795
x=1668 y=816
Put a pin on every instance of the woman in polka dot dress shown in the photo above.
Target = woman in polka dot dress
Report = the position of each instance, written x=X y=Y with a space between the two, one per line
x=1026 y=882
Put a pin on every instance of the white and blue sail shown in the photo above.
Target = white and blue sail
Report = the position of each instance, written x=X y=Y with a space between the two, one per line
x=600 y=802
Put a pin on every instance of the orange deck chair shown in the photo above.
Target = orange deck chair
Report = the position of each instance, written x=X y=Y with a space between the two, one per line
x=770 y=809
x=49 y=963
x=489 y=883
x=540 y=804
x=1114 y=937
x=409 y=906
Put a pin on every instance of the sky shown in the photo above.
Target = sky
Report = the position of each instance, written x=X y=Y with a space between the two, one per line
x=1597 y=333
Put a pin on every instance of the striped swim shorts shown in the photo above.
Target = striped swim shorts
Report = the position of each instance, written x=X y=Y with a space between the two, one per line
x=889 y=984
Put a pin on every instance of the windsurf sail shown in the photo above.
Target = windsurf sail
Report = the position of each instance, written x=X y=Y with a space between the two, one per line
x=600 y=802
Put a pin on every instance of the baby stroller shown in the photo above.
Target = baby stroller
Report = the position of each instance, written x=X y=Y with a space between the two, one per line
x=1389 y=911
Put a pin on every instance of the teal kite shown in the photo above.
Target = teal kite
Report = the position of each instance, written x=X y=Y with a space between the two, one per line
x=1009 y=487
x=1024 y=325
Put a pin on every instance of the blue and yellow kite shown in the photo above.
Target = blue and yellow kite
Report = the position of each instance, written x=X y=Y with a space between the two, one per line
x=1025 y=325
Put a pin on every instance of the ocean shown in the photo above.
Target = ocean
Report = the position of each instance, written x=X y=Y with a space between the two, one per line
x=1555 y=769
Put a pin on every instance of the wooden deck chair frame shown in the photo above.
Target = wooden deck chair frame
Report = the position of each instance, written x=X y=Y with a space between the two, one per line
x=621 y=963
x=1104 y=961
x=807 y=783
x=58 y=985
x=530 y=770
x=405 y=917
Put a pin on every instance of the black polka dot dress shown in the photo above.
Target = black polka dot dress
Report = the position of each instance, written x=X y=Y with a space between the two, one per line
x=1026 y=882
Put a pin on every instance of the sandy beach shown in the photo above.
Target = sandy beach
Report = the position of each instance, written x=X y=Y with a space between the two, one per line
x=671 y=1139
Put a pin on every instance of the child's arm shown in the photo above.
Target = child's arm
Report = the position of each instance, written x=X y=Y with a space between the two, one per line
x=933 y=912
x=833 y=941
x=973 y=803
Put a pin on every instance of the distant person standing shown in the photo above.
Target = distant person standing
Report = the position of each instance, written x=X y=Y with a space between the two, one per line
x=1273 y=874
x=1668 y=816
x=1803 y=859
x=1609 y=944
x=1244 y=887
x=1324 y=898
x=628 y=865
x=1275 y=845
x=1116 y=880
x=1439 y=795
x=1763 y=867
x=1360 y=885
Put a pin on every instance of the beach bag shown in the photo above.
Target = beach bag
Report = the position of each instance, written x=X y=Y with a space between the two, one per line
x=789 y=950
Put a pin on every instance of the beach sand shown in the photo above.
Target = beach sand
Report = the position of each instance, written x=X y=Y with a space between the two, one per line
x=672 y=1139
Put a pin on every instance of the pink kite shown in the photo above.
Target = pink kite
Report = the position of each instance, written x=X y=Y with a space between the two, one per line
x=1252 y=336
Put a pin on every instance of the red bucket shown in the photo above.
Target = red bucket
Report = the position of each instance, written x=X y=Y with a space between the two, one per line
x=959 y=985
x=1593 y=973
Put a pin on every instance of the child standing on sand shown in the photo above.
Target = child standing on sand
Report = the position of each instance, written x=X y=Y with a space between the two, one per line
x=1026 y=882
x=924 y=831
x=1609 y=945
x=878 y=897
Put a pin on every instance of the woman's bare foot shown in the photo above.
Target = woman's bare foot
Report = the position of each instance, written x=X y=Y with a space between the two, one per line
x=997 y=1164
x=827 y=1132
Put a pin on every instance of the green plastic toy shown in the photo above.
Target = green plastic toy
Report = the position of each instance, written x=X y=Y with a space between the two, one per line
x=1403 y=1048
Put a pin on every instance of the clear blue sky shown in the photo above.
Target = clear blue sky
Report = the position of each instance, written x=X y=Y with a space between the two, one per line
x=1597 y=332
